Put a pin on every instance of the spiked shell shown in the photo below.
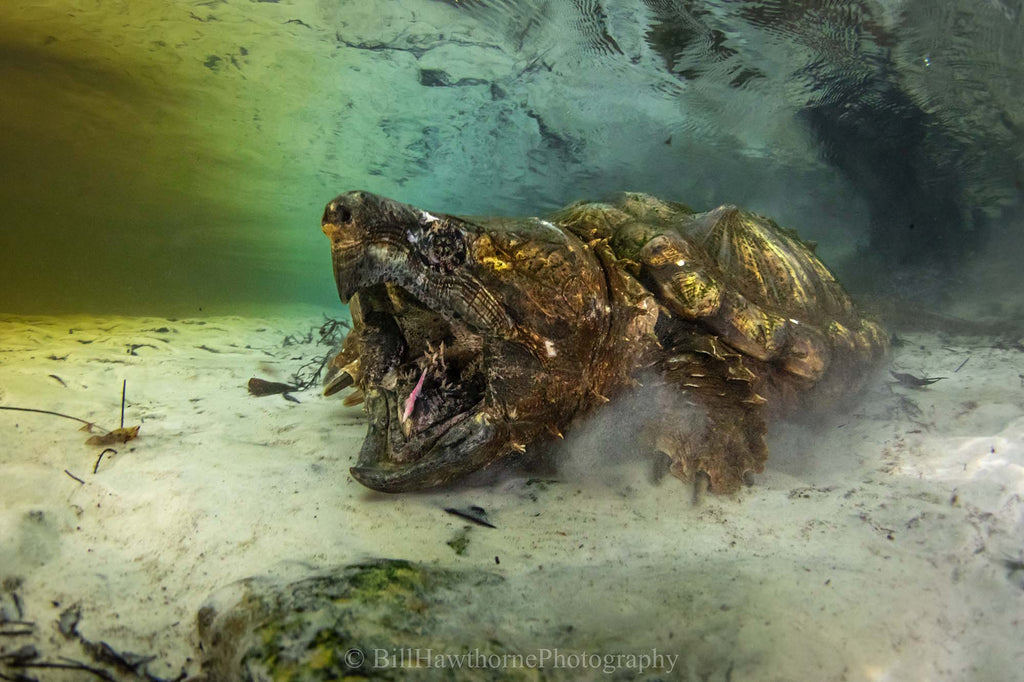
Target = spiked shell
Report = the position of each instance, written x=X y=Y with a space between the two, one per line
x=750 y=283
x=717 y=315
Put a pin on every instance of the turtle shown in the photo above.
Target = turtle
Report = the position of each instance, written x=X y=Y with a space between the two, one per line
x=477 y=340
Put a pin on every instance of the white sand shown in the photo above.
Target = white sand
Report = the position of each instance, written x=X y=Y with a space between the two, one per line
x=871 y=548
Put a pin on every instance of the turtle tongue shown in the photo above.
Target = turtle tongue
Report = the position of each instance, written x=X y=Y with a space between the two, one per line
x=410 y=402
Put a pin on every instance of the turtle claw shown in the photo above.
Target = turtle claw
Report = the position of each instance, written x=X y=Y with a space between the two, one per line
x=713 y=447
x=344 y=368
x=339 y=383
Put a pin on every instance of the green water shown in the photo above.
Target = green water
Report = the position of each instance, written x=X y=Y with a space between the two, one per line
x=150 y=167
x=174 y=157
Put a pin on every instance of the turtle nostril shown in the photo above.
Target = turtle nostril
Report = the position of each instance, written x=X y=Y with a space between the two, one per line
x=337 y=213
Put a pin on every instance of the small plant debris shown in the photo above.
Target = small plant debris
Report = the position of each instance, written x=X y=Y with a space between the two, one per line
x=261 y=387
x=330 y=334
x=132 y=347
x=460 y=541
x=121 y=435
x=118 y=435
x=96 y=467
x=911 y=381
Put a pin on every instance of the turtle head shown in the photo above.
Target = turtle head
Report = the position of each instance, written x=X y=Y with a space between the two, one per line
x=471 y=337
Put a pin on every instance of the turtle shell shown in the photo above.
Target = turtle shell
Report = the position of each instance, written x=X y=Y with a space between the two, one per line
x=752 y=284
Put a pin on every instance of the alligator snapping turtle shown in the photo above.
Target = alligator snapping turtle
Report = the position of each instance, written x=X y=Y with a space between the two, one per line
x=477 y=338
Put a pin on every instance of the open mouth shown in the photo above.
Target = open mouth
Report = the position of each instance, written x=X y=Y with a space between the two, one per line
x=423 y=382
x=418 y=371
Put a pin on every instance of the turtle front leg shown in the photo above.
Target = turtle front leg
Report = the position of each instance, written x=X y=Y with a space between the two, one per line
x=711 y=422
x=715 y=447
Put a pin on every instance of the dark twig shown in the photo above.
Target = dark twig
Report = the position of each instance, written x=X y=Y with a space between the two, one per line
x=124 y=387
x=475 y=514
x=103 y=653
x=123 y=660
x=911 y=381
x=73 y=665
x=132 y=347
x=97 y=465
x=331 y=330
x=961 y=366
x=19 y=656
x=314 y=376
x=54 y=414
x=330 y=334
x=74 y=477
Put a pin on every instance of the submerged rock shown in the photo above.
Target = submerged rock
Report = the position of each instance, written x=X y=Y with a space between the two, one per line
x=374 y=620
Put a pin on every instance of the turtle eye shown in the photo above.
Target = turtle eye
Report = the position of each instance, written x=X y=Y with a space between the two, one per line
x=444 y=245
x=337 y=213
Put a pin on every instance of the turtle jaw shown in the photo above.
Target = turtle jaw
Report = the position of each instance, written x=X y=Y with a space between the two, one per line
x=419 y=347
x=460 y=445
x=425 y=394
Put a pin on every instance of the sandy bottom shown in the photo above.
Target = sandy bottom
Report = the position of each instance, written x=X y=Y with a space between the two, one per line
x=878 y=544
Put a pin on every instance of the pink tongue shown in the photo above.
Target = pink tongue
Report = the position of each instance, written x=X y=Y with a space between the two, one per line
x=410 y=402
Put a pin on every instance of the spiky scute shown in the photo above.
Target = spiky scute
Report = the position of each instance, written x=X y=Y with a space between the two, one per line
x=751 y=316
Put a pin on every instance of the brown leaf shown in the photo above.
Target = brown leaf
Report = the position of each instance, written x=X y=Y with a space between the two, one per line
x=122 y=435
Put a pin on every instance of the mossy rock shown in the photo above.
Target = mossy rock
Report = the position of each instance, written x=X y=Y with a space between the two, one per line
x=361 y=621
